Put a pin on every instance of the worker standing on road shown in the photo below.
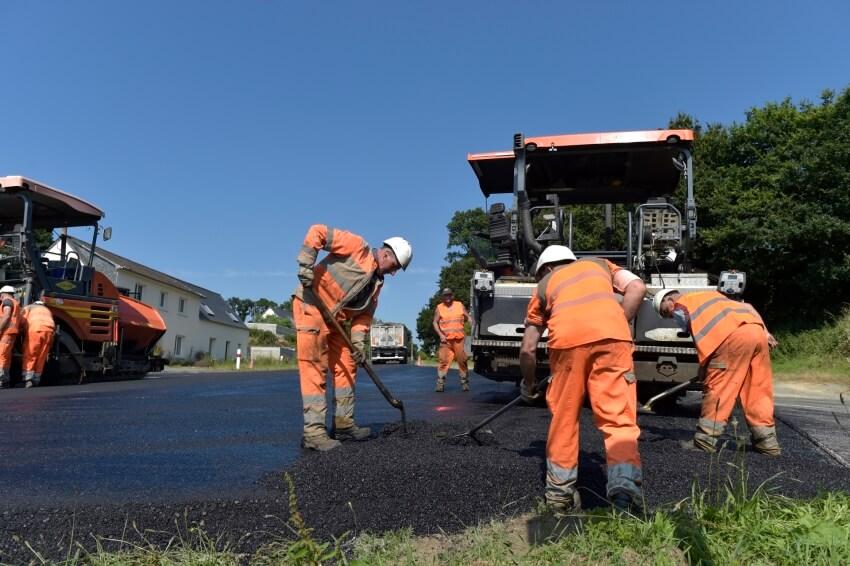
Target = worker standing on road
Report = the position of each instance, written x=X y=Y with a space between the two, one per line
x=348 y=281
x=733 y=345
x=449 y=318
x=38 y=338
x=590 y=351
x=10 y=324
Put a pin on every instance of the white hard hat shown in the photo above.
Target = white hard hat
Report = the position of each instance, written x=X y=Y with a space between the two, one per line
x=554 y=254
x=659 y=296
x=7 y=289
x=402 y=250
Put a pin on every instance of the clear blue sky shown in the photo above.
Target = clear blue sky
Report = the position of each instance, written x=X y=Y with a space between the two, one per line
x=214 y=133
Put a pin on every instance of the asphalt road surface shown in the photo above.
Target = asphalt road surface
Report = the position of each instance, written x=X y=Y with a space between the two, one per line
x=178 y=449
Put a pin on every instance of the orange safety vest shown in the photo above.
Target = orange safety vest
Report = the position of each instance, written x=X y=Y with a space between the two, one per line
x=451 y=319
x=341 y=278
x=579 y=305
x=713 y=318
x=14 y=325
x=38 y=318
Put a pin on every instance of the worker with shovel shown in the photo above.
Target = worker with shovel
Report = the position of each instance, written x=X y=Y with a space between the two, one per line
x=733 y=345
x=345 y=285
x=590 y=351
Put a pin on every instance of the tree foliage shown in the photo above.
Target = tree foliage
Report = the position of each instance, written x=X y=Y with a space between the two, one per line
x=773 y=195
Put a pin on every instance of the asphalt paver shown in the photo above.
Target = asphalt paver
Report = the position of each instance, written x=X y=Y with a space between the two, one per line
x=423 y=480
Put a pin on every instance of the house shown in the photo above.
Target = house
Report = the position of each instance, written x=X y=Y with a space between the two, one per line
x=279 y=313
x=199 y=320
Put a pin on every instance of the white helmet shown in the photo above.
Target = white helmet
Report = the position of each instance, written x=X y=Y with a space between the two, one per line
x=554 y=254
x=402 y=250
x=659 y=296
x=7 y=289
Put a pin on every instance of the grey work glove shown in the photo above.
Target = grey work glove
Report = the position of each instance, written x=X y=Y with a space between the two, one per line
x=528 y=395
x=305 y=275
x=359 y=351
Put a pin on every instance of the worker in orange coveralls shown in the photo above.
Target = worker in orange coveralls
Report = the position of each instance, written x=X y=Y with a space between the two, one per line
x=590 y=351
x=449 y=318
x=733 y=346
x=10 y=326
x=38 y=338
x=348 y=281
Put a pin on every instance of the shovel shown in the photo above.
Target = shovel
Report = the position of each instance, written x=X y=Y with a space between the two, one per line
x=364 y=364
x=646 y=408
x=471 y=432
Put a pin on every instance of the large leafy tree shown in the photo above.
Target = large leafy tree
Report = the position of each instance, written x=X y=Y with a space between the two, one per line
x=773 y=196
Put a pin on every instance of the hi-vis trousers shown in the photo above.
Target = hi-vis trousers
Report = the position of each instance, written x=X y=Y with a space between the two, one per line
x=740 y=367
x=605 y=371
x=36 y=347
x=452 y=349
x=319 y=349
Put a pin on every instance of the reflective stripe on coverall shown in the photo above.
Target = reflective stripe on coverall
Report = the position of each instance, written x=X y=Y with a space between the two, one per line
x=342 y=280
x=590 y=350
x=732 y=345
x=451 y=321
x=37 y=340
x=8 y=336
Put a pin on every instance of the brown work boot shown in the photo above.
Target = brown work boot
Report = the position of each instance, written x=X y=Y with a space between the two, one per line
x=353 y=432
x=320 y=442
x=767 y=445
x=568 y=503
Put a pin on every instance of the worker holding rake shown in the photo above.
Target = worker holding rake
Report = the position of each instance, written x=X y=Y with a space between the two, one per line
x=345 y=284
x=590 y=352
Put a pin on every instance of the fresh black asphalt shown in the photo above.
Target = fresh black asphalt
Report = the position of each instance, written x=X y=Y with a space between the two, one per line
x=123 y=458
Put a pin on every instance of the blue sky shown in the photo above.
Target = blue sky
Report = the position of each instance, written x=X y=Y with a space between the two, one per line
x=214 y=133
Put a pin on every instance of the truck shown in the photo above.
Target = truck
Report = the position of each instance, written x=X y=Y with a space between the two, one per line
x=100 y=333
x=390 y=342
x=628 y=176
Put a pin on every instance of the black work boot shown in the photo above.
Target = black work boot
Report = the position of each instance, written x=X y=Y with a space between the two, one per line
x=464 y=386
x=441 y=386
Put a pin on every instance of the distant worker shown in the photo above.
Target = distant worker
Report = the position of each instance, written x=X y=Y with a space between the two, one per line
x=733 y=346
x=449 y=319
x=10 y=326
x=38 y=338
x=590 y=352
x=348 y=281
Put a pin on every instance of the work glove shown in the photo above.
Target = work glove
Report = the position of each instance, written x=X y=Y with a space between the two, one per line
x=359 y=353
x=529 y=395
x=305 y=275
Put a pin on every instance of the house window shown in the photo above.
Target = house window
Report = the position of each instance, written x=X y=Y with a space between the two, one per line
x=162 y=298
x=138 y=291
x=178 y=345
x=181 y=306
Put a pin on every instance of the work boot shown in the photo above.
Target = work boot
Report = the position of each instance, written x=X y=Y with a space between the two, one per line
x=320 y=442
x=441 y=386
x=29 y=384
x=705 y=442
x=622 y=501
x=464 y=386
x=353 y=432
x=565 y=504
x=767 y=444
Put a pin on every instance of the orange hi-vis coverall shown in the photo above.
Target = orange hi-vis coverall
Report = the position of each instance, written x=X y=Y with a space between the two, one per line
x=451 y=321
x=8 y=336
x=348 y=283
x=731 y=343
x=590 y=351
x=37 y=340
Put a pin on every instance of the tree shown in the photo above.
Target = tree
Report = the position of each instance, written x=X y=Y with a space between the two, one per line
x=773 y=197
x=242 y=307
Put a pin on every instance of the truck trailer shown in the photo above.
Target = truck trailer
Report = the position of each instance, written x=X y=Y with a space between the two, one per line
x=100 y=333
x=546 y=179
x=390 y=342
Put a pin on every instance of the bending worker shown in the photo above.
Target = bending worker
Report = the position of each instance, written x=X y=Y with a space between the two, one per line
x=590 y=351
x=733 y=345
x=449 y=318
x=38 y=338
x=10 y=324
x=348 y=281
